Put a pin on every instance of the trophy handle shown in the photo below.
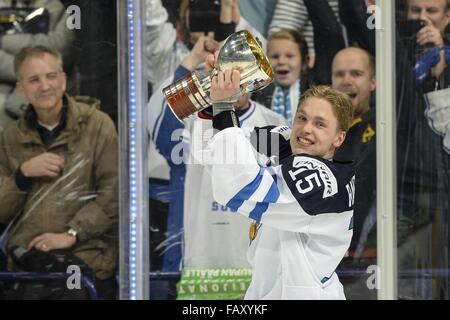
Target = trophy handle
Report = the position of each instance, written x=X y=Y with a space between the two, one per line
x=186 y=96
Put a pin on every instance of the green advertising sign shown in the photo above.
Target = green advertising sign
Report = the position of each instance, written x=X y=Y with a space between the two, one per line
x=213 y=284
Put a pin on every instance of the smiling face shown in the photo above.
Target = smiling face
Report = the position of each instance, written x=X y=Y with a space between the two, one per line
x=315 y=130
x=42 y=82
x=286 y=60
x=352 y=74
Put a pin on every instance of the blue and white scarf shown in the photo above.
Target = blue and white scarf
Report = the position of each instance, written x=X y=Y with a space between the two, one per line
x=284 y=102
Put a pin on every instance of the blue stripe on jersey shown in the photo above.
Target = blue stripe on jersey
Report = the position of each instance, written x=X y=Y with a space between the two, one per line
x=350 y=227
x=246 y=192
x=271 y=197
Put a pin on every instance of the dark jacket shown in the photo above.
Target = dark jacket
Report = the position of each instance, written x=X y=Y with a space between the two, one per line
x=360 y=147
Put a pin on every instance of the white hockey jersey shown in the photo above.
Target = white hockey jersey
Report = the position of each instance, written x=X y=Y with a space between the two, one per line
x=305 y=207
x=214 y=235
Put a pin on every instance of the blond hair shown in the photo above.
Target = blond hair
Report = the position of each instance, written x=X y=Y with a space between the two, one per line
x=341 y=103
x=294 y=36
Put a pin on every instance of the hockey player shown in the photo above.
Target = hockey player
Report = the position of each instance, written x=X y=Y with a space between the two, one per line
x=212 y=236
x=302 y=207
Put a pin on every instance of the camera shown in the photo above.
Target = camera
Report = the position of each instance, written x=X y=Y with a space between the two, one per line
x=34 y=260
x=408 y=29
x=204 y=15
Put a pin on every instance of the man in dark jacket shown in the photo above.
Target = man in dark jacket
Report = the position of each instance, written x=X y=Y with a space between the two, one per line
x=423 y=167
x=353 y=72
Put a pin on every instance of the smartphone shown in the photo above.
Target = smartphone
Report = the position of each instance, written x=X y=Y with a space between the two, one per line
x=408 y=29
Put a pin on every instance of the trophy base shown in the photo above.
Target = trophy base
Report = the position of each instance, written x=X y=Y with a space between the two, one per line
x=184 y=97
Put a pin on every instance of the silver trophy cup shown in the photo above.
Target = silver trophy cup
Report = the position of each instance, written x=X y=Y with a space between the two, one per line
x=240 y=51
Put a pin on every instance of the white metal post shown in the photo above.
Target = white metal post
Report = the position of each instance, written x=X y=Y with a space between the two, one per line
x=386 y=152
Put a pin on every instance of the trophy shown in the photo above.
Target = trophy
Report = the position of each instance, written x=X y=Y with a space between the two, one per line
x=240 y=51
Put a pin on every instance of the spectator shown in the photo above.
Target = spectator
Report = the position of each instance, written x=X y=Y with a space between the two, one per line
x=52 y=33
x=423 y=167
x=288 y=54
x=353 y=72
x=58 y=166
x=435 y=18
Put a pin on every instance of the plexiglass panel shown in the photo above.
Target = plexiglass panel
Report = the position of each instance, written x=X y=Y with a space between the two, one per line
x=198 y=246
x=423 y=153
x=64 y=220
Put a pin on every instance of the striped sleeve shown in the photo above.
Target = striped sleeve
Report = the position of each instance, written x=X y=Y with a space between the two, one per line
x=292 y=14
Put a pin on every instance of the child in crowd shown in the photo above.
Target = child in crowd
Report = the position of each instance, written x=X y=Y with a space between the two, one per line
x=287 y=51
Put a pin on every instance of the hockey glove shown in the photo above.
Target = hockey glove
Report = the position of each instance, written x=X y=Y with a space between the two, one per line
x=224 y=116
